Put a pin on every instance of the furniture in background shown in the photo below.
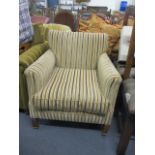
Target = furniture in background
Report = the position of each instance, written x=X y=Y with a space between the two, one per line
x=131 y=55
x=127 y=70
x=122 y=19
x=127 y=36
x=74 y=80
x=124 y=43
x=73 y=7
x=82 y=1
x=101 y=11
x=126 y=100
x=96 y=24
x=70 y=5
x=25 y=24
x=130 y=12
x=52 y=3
x=35 y=6
x=126 y=67
x=128 y=107
x=24 y=46
x=49 y=12
x=39 y=19
x=65 y=18
x=35 y=49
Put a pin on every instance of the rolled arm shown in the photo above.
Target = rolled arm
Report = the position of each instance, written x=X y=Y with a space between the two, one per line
x=109 y=80
x=38 y=73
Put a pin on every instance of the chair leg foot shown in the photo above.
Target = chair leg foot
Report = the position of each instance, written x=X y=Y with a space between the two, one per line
x=35 y=123
x=105 y=129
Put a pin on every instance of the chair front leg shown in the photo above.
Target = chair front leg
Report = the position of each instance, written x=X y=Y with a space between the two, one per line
x=105 y=129
x=35 y=123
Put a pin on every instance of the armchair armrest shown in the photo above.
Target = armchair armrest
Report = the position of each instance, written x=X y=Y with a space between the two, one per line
x=26 y=59
x=109 y=80
x=38 y=73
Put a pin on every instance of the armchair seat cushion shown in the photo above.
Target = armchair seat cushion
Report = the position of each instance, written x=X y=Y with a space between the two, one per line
x=71 y=90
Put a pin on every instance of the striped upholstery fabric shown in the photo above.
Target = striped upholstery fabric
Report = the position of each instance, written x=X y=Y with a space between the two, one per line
x=39 y=46
x=25 y=60
x=74 y=80
x=72 y=90
x=39 y=73
x=109 y=81
x=67 y=116
x=77 y=50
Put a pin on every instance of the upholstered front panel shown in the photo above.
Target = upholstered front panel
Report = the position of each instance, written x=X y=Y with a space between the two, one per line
x=71 y=90
x=77 y=49
x=68 y=116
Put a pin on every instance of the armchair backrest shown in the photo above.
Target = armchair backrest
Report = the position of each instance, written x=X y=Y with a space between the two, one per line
x=77 y=49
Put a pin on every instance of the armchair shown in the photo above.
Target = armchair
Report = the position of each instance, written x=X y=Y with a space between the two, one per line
x=39 y=46
x=74 y=80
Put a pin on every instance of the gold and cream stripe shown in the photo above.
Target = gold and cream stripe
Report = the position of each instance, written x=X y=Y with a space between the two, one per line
x=71 y=90
x=77 y=50
x=74 y=80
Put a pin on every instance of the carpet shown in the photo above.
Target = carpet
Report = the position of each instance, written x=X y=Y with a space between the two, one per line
x=67 y=140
